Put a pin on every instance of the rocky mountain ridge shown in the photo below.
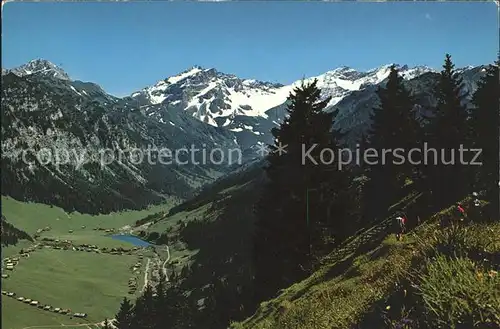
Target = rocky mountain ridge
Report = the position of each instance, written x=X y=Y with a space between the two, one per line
x=44 y=108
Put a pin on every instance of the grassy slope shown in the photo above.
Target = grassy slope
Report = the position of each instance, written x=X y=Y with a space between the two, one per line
x=353 y=280
x=32 y=216
x=230 y=198
x=16 y=315
x=84 y=282
x=78 y=281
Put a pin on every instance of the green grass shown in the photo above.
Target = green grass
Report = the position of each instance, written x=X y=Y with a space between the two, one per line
x=32 y=216
x=83 y=282
x=357 y=279
x=183 y=216
x=447 y=278
x=89 y=237
x=337 y=295
x=17 y=315
x=14 y=249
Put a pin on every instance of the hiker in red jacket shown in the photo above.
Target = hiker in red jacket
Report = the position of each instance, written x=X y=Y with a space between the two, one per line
x=460 y=211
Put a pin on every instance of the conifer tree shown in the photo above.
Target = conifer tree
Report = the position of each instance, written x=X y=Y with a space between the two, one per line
x=447 y=178
x=162 y=309
x=484 y=133
x=395 y=128
x=283 y=238
x=125 y=315
x=145 y=314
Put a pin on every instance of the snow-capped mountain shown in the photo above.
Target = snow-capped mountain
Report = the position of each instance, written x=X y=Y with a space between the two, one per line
x=41 y=67
x=82 y=126
x=250 y=108
x=43 y=108
x=217 y=98
x=208 y=94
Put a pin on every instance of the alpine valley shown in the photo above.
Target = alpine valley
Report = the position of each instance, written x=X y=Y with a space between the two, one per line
x=43 y=108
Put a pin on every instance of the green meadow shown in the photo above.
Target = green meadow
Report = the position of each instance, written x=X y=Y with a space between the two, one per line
x=84 y=282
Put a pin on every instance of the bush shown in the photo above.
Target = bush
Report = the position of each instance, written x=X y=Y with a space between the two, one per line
x=456 y=294
x=453 y=241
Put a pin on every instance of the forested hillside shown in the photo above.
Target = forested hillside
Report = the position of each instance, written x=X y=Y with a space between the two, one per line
x=11 y=235
x=324 y=253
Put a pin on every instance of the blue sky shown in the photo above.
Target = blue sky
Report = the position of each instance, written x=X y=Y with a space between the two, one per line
x=127 y=46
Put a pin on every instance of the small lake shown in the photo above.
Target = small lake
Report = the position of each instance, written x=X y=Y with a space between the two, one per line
x=131 y=239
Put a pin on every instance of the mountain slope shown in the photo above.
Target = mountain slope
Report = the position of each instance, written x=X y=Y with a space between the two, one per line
x=250 y=108
x=374 y=281
x=11 y=234
x=210 y=239
x=203 y=107
x=44 y=115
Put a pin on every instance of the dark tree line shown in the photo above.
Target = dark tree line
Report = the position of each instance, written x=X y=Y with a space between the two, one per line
x=11 y=235
x=306 y=208
x=157 y=308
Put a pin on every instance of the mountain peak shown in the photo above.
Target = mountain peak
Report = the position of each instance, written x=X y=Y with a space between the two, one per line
x=40 y=66
x=185 y=74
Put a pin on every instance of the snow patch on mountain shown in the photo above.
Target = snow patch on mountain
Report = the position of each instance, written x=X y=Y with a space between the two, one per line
x=41 y=67
x=224 y=100
x=184 y=75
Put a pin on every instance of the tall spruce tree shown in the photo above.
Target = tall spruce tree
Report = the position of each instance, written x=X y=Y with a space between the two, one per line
x=394 y=129
x=447 y=178
x=124 y=317
x=284 y=236
x=163 y=311
x=145 y=312
x=335 y=196
x=485 y=122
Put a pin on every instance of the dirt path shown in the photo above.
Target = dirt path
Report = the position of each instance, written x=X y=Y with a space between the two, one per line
x=164 y=266
x=146 y=274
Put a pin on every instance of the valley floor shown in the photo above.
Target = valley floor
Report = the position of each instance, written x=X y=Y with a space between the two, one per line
x=73 y=266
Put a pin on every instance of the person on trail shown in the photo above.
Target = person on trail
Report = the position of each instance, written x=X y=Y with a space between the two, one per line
x=476 y=199
x=474 y=207
x=401 y=226
x=460 y=212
